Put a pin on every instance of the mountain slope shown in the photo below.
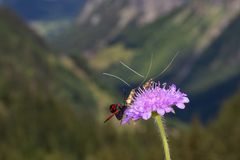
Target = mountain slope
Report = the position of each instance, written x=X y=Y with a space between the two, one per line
x=26 y=59
x=34 y=121
x=45 y=100
x=100 y=20
x=221 y=56
x=215 y=75
x=28 y=68
x=186 y=30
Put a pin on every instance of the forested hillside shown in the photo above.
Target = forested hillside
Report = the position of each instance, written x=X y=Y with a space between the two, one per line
x=43 y=102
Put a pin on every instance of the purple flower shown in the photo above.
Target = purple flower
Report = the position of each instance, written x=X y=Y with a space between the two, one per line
x=155 y=99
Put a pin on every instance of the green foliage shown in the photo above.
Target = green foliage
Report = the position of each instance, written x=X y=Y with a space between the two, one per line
x=216 y=141
x=37 y=127
x=37 y=131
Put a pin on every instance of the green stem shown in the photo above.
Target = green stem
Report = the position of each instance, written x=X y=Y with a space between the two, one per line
x=163 y=136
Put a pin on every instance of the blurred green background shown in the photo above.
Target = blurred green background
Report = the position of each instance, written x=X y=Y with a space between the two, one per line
x=54 y=98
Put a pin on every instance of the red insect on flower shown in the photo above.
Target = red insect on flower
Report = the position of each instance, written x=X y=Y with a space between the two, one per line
x=117 y=110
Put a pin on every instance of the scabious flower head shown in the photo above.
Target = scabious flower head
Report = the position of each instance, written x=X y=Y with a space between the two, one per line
x=155 y=99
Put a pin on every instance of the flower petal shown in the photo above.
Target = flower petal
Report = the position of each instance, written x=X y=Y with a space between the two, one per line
x=168 y=109
x=180 y=105
x=147 y=115
x=160 y=111
x=185 y=100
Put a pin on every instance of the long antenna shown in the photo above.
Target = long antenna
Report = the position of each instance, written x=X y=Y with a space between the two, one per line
x=131 y=69
x=166 y=68
x=111 y=75
x=148 y=72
